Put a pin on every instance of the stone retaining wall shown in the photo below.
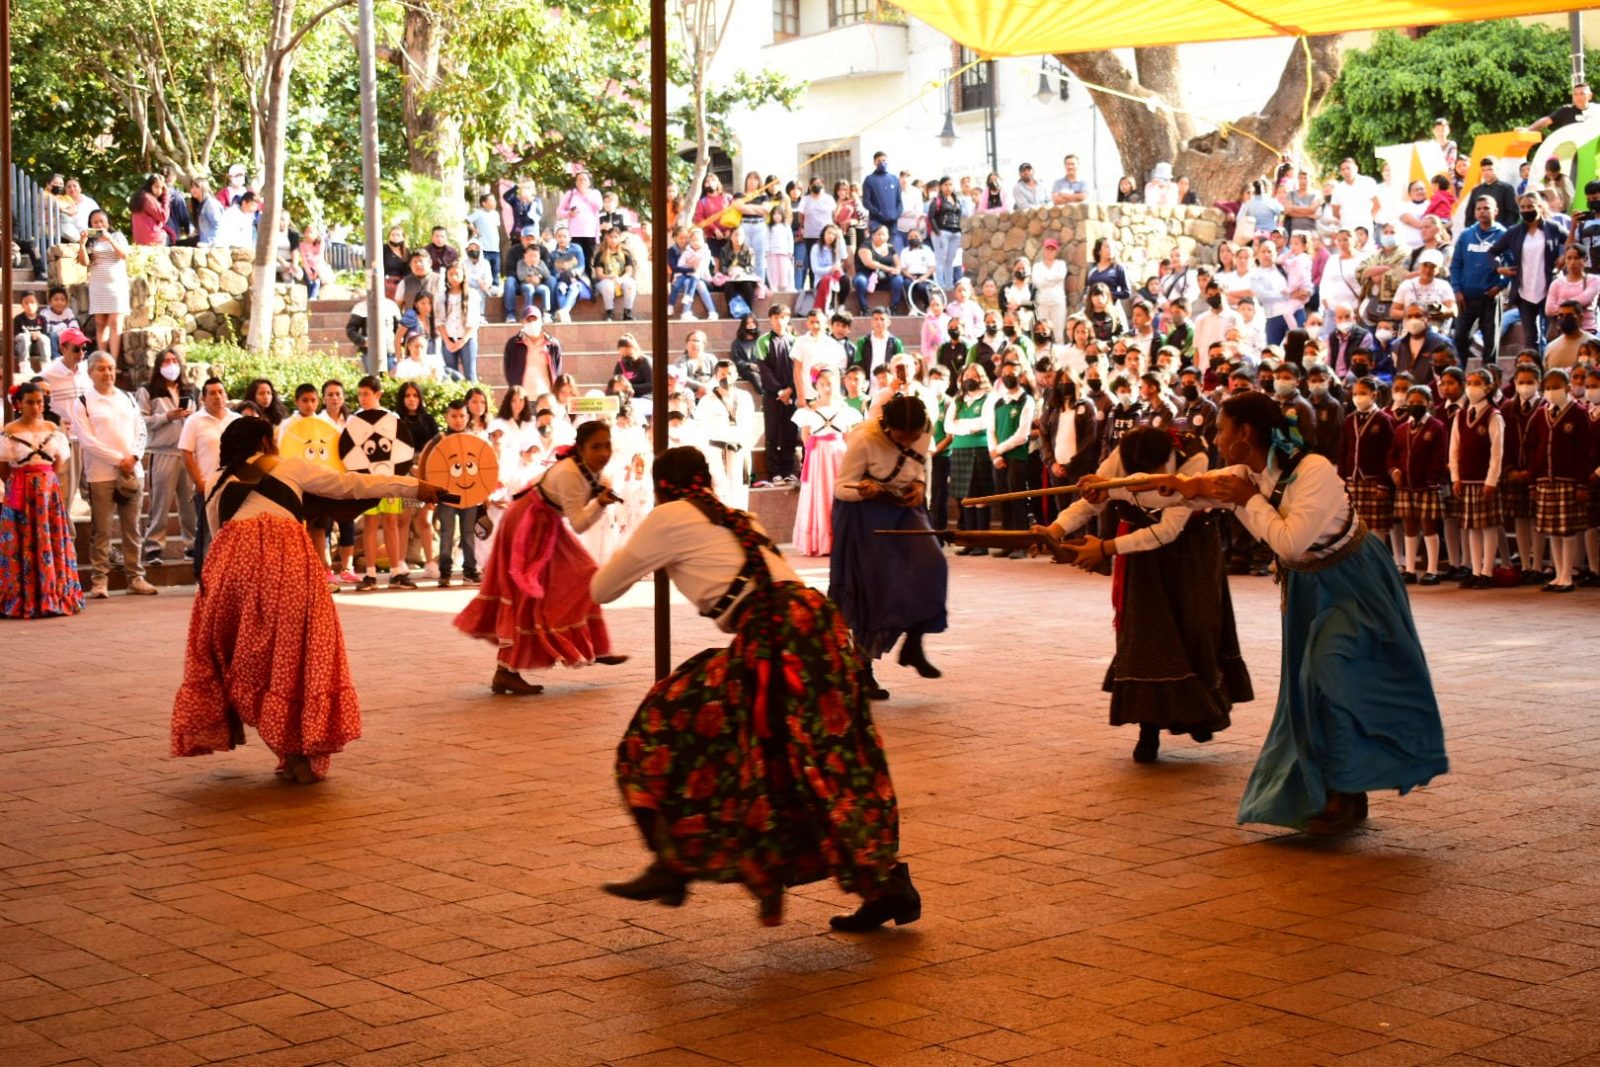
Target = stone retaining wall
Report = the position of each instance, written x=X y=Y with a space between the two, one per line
x=186 y=294
x=1145 y=236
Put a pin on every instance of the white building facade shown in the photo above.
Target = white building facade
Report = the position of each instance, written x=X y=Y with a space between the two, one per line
x=868 y=90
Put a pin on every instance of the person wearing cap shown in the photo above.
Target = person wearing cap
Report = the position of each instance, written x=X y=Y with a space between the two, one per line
x=1069 y=188
x=112 y=433
x=1428 y=288
x=1161 y=190
x=67 y=377
x=1026 y=193
x=1049 y=277
x=532 y=358
x=238 y=185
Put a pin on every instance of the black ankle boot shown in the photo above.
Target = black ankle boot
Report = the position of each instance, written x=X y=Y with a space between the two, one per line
x=658 y=882
x=900 y=902
x=870 y=687
x=911 y=655
x=1149 y=744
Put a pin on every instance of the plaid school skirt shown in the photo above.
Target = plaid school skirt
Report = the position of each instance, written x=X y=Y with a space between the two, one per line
x=1423 y=505
x=1373 y=501
x=1478 y=512
x=1454 y=507
x=1516 y=500
x=1556 y=510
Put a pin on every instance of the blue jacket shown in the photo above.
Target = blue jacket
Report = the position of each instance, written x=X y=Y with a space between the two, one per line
x=1472 y=265
x=1508 y=250
x=880 y=195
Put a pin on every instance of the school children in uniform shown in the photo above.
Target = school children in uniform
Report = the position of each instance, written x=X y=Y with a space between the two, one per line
x=1477 y=454
x=1591 y=536
x=1008 y=422
x=1417 y=463
x=1325 y=435
x=1563 y=461
x=1364 y=458
x=1451 y=383
x=1516 y=482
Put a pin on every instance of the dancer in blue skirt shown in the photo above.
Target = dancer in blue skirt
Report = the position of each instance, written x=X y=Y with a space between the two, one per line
x=887 y=586
x=1356 y=709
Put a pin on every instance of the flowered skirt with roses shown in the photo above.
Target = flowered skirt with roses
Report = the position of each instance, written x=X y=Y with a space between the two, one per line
x=38 y=562
x=759 y=763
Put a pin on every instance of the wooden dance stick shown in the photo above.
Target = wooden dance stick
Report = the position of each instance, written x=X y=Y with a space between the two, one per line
x=1006 y=539
x=1058 y=490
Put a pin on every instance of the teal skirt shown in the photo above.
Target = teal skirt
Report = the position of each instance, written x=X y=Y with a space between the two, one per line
x=1356 y=710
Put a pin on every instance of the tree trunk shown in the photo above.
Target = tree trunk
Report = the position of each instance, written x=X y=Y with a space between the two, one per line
x=702 y=139
x=421 y=46
x=280 y=60
x=1218 y=164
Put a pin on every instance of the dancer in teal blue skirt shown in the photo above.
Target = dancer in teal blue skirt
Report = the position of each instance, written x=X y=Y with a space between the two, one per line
x=1356 y=709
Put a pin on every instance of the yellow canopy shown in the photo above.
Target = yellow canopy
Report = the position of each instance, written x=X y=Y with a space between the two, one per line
x=1037 y=27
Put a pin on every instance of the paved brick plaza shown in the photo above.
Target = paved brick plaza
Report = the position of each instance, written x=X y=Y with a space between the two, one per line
x=436 y=901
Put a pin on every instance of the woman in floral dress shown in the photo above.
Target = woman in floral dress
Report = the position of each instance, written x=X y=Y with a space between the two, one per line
x=38 y=563
x=756 y=763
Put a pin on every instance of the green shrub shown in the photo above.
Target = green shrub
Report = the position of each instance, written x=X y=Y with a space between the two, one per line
x=238 y=368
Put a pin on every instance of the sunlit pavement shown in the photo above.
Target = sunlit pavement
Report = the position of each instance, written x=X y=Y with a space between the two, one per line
x=436 y=900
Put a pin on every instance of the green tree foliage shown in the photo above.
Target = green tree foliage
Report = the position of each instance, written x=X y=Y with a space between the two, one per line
x=1485 y=77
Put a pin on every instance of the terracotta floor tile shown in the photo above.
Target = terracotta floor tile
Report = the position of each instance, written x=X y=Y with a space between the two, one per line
x=436 y=900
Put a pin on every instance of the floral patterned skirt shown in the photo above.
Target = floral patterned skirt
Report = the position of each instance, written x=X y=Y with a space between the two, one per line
x=266 y=649
x=759 y=763
x=38 y=560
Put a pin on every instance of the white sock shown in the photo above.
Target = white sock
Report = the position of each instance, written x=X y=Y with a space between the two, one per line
x=1452 y=543
x=1411 y=554
x=1397 y=547
x=1432 y=543
x=1488 y=553
x=1504 y=546
x=1474 y=550
x=1565 y=551
x=1531 y=544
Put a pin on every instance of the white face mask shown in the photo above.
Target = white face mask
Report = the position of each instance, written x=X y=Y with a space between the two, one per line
x=171 y=372
x=1124 y=398
x=1383 y=336
x=533 y=329
x=1476 y=393
x=1343 y=325
x=1417 y=327
x=1284 y=387
x=1363 y=401
x=1526 y=390
x=1556 y=398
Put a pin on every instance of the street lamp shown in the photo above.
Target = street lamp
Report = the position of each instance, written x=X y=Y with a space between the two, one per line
x=947 y=136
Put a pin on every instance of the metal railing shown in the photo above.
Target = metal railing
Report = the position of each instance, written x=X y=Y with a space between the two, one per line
x=342 y=256
x=35 y=217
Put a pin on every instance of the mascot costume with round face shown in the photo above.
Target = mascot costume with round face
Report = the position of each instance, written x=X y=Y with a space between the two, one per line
x=464 y=464
x=376 y=442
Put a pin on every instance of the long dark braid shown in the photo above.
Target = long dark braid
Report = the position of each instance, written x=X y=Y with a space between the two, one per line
x=683 y=474
x=242 y=440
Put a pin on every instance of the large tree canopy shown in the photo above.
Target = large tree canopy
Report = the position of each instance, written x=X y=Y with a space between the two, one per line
x=1484 y=77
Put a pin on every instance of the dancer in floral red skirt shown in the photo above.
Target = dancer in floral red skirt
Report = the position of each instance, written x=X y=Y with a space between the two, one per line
x=265 y=647
x=38 y=562
x=756 y=763
x=534 y=600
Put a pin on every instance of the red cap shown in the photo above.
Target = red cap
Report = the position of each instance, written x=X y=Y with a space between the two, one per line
x=1051 y=242
x=74 y=336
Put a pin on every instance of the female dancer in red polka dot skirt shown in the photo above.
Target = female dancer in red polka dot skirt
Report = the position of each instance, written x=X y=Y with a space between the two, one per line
x=265 y=647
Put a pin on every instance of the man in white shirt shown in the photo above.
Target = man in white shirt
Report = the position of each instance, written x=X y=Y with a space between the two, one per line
x=1180 y=282
x=1212 y=324
x=113 y=434
x=200 y=445
x=67 y=379
x=485 y=226
x=814 y=349
x=1427 y=287
x=1355 y=198
x=726 y=416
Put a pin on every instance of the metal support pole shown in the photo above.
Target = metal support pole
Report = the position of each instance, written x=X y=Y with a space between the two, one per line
x=660 y=346
x=1575 y=26
x=994 y=149
x=372 y=206
x=9 y=356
